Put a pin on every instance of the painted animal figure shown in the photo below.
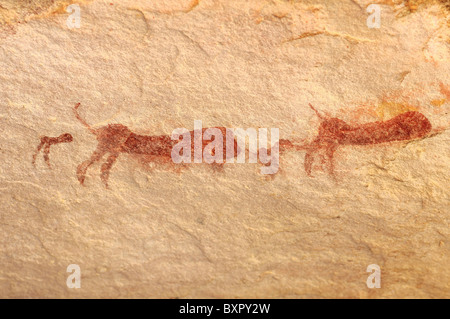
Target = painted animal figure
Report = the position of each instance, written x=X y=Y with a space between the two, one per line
x=115 y=139
x=334 y=132
x=46 y=142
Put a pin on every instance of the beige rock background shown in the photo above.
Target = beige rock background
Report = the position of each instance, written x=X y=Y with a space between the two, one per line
x=158 y=65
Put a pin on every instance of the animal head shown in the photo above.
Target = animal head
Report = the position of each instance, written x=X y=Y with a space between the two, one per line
x=65 y=138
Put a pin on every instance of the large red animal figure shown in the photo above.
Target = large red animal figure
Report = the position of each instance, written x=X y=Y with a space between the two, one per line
x=334 y=132
x=115 y=139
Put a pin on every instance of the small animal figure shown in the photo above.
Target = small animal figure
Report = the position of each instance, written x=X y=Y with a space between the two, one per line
x=46 y=142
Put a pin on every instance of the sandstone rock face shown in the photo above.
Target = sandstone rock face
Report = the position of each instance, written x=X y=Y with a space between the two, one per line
x=363 y=175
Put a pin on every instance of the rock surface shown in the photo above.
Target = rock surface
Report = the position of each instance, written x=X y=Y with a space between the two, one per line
x=199 y=232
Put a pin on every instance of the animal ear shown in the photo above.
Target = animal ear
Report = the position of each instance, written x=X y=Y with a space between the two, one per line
x=317 y=112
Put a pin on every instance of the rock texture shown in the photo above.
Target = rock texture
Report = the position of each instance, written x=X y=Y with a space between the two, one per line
x=161 y=232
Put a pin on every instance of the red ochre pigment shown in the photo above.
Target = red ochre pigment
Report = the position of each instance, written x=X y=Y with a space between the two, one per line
x=46 y=142
x=115 y=139
x=334 y=132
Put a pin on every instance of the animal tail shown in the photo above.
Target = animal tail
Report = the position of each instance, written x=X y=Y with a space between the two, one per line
x=75 y=109
x=317 y=112
x=295 y=144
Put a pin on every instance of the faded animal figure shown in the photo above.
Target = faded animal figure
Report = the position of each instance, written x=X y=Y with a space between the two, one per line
x=334 y=132
x=46 y=142
x=115 y=139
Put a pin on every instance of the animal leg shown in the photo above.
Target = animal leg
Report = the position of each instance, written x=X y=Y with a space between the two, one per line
x=330 y=153
x=106 y=168
x=309 y=160
x=309 y=156
x=37 y=152
x=46 y=155
x=83 y=167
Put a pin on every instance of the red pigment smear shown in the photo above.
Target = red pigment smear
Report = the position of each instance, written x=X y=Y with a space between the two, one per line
x=46 y=142
x=445 y=90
